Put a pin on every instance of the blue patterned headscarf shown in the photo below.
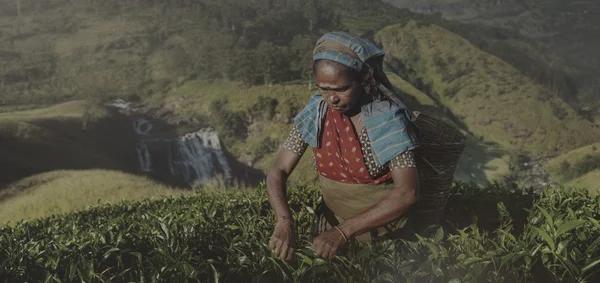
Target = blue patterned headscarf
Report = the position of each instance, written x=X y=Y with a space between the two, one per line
x=345 y=49
x=355 y=52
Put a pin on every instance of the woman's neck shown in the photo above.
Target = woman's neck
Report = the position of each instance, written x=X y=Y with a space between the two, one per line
x=363 y=100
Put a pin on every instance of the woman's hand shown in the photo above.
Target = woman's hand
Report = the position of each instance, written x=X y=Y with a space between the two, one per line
x=283 y=240
x=327 y=244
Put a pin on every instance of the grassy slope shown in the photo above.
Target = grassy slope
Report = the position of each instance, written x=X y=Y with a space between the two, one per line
x=99 y=58
x=572 y=157
x=591 y=181
x=71 y=109
x=66 y=191
x=493 y=99
x=480 y=162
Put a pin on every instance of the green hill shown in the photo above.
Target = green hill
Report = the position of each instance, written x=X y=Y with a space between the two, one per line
x=575 y=164
x=590 y=180
x=493 y=99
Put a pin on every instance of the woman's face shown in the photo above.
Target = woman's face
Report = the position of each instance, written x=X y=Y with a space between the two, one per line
x=337 y=86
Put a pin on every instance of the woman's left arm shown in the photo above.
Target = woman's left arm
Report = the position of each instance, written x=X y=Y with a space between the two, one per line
x=392 y=206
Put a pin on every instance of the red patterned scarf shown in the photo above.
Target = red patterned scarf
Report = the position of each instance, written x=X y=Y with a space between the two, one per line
x=340 y=157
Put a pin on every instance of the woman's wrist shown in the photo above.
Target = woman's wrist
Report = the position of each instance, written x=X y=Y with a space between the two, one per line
x=348 y=228
x=283 y=217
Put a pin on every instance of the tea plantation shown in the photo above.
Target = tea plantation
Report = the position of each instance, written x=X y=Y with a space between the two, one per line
x=495 y=234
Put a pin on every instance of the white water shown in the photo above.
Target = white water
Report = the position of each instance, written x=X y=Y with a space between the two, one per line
x=194 y=157
x=143 y=154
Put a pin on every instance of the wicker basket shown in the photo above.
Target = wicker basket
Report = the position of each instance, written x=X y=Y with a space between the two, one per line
x=441 y=147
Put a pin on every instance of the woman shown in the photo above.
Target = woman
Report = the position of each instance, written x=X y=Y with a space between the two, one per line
x=362 y=137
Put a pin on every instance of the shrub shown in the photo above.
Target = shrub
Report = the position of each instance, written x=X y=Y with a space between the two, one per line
x=230 y=125
x=263 y=109
x=581 y=167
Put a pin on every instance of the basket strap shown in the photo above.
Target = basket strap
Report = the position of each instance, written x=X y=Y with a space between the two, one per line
x=432 y=167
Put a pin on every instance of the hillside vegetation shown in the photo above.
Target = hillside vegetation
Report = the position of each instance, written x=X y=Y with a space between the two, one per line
x=244 y=68
x=493 y=99
x=222 y=237
x=588 y=180
x=60 y=192
x=565 y=28
x=576 y=163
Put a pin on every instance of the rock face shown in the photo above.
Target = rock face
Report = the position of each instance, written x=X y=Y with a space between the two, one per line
x=535 y=175
x=194 y=157
x=124 y=107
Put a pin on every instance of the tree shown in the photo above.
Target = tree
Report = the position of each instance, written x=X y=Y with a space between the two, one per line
x=246 y=66
x=19 y=17
x=311 y=12
x=301 y=47
x=212 y=56
x=269 y=63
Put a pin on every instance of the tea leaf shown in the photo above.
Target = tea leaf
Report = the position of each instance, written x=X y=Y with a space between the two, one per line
x=590 y=266
x=567 y=226
x=439 y=235
x=594 y=221
x=215 y=273
x=546 y=215
x=545 y=237
x=591 y=249
x=472 y=260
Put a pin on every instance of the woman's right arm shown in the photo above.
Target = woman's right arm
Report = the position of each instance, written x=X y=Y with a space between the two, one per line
x=284 y=164
x=283 y=239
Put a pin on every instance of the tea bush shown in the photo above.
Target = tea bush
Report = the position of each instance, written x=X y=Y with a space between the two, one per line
x=495 y=234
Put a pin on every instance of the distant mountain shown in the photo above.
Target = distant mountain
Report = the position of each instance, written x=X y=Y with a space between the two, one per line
x=568 y=28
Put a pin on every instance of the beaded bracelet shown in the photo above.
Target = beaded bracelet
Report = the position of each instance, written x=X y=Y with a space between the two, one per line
x=283 y=221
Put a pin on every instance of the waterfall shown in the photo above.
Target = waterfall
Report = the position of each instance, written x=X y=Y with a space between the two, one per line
x=143 y=154
x=194 y=157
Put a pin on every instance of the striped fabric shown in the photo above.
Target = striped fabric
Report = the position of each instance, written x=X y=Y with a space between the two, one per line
x=362 y=49
x=390 y=128
x=310 y=120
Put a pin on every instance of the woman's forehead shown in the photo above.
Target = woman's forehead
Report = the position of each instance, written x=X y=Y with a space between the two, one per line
x=332 y=80
x=332 y=73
